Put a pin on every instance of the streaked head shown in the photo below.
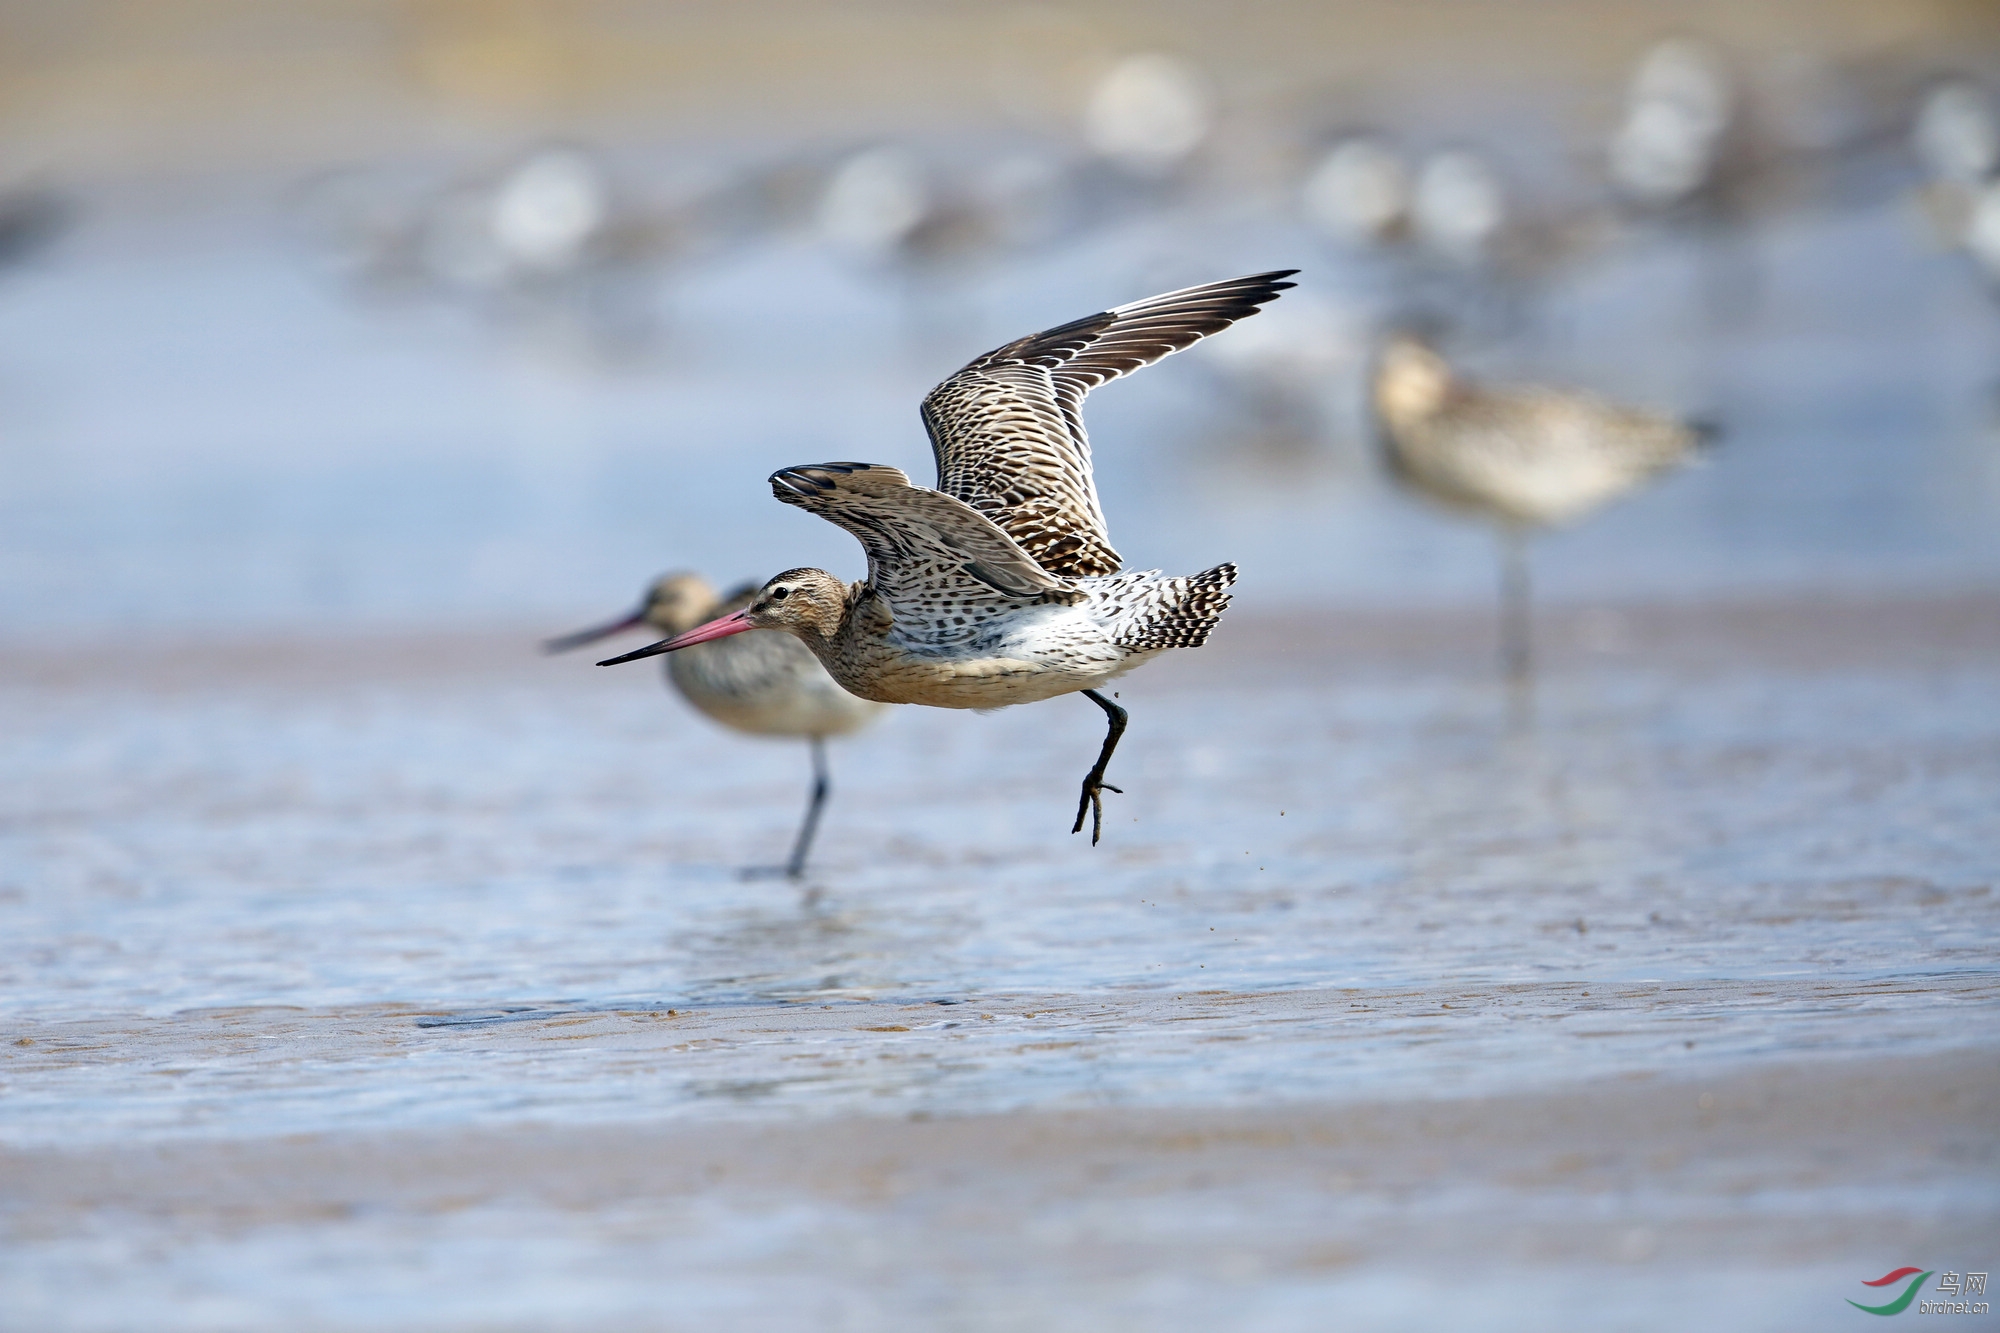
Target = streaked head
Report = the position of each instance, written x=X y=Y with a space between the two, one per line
x=805 y=602
x=1411 y=380
x=808 y=603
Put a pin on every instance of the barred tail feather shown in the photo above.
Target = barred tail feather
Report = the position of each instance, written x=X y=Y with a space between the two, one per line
x=1185 y=611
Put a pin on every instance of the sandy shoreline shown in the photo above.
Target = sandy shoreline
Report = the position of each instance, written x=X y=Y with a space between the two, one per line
x=1885 y=1124
x=236 y=1073
x=1774 y=1180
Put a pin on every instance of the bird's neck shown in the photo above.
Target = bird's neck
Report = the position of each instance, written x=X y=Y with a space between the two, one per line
x=864 y=619
x=864 y=614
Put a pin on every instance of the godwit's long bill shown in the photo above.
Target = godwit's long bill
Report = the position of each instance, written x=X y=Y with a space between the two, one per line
x=1000 y=586
x=762 y=684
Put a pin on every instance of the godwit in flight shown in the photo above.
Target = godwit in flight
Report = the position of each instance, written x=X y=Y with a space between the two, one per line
x=762 y=684
x=1523 y=457
x=1000 y=587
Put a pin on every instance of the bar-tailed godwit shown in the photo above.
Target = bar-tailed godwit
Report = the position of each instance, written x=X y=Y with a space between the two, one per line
x=763 y=684
x=1000 y=586
x=1523 y=457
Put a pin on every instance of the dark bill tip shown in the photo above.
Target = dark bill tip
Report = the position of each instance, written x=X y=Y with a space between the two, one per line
x=650 y=650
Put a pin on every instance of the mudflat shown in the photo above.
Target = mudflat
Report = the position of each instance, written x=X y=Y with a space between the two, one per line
x=1779 y=1188
x=413 y=983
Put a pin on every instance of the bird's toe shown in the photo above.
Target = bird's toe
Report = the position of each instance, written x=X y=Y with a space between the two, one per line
x=1092 y=804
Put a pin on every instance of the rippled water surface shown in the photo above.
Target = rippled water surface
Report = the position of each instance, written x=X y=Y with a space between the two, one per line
x=1669 y=867
x=292 y=895
x=304 y=851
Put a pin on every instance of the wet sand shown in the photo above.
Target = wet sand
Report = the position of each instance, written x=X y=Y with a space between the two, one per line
x=1768 y=1193
x=411 y=983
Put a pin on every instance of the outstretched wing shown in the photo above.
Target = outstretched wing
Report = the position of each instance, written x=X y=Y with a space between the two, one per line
x=1008 y=429
x=926 y=550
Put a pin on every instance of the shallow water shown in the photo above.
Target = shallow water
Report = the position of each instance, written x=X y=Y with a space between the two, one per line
x=198 y=429
x=309 y=906
x=329 y=879
x=370 y=890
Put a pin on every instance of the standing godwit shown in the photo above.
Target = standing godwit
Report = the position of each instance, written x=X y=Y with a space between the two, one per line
x=763 y=684
x=1000 y=587
x=1524 y=457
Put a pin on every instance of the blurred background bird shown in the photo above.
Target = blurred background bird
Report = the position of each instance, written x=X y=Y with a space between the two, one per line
x=1522 y=457
x=1956 y=137
x=764 y=683
x=345 y=348
x=578 y=267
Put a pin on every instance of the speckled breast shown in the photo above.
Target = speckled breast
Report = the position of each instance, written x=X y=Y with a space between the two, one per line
x=767 y=683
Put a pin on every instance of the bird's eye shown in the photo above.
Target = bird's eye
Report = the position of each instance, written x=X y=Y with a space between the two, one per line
x=780 y=594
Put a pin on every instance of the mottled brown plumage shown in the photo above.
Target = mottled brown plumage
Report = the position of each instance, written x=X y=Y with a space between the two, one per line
x=953 y=614
x=1008 y=433
x=1000 y=587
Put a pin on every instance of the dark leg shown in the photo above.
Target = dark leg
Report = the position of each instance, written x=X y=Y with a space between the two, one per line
x=1517 y=660
x=821 y=785
x=1094 y=785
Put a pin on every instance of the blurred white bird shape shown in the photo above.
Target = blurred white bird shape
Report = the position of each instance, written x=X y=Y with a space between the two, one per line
x=1957 y=138
x=1679 y=109
x=1149 y=113
x=1358 y=193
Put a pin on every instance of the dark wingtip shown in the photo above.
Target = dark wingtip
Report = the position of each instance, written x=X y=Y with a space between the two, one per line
x=798 y=481
x=1268 y=285
x=1708 y=431
x=799 y=478
x=1258 y=290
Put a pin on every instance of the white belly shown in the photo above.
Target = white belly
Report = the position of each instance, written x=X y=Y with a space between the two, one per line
x=1045 y=655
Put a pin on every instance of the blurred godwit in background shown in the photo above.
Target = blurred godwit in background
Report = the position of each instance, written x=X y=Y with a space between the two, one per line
x=1001 y=586
x=760 y=684
x=1523 y=457
x=384 y=333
